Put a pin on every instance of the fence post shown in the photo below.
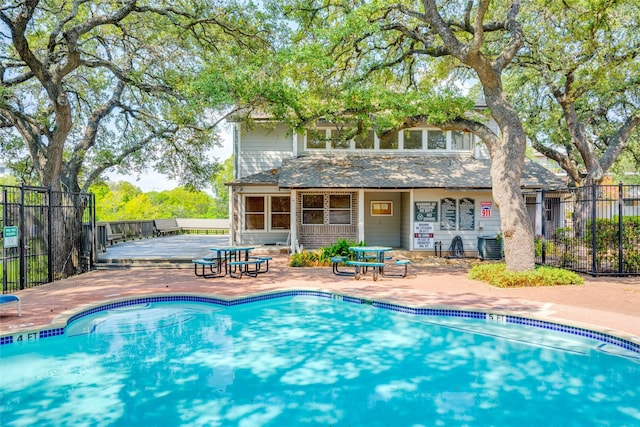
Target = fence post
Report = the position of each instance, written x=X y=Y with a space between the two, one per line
x=594 y=240
x=543 y=228
x=5 y=261
x=620 y=225
x=49 y=239
x=22 y=258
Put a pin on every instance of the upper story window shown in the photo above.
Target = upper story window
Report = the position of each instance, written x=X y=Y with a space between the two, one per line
x=317 y=139
x=389 y=141
x=436 y=140
x=412 y=139
x=460 y=140
x=408 y=139
x=366 y=141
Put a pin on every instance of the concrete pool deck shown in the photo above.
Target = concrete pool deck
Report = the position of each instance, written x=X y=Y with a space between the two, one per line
x=610 y=305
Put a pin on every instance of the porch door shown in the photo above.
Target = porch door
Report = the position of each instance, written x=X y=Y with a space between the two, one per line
x=383 y=219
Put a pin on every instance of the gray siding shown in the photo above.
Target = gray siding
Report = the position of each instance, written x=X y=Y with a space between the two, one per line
x=263 y=148
x=253 y=162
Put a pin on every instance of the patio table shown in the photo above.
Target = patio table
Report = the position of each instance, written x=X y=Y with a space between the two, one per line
x=369 y=257
x=236 y=260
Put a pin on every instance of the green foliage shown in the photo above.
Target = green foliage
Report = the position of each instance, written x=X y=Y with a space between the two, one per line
x=497 y=275
x=607 y=241
x=125 y=201
x=223 y=175
x=577 y=62
x=8 y=180
x=127 y=73
x=340 y=248
x=306 y=259
x=322 y=256
x=563 y=250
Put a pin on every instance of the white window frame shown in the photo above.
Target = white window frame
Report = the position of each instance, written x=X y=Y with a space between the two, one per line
x=267 y=213
x=330 y=209
x=329 y=146
x=303 y=209
x=245 y=212
x=271 y=212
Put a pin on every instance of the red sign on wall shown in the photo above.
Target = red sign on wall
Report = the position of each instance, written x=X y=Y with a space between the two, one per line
x=485 y=209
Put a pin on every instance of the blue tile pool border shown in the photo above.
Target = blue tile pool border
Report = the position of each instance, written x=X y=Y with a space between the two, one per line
x=446 y=312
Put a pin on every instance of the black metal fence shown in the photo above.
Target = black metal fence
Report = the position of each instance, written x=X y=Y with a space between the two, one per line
x=36 y=249
x=593 y=229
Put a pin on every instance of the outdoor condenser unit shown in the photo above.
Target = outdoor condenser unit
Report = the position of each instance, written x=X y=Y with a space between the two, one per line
x=489 y=248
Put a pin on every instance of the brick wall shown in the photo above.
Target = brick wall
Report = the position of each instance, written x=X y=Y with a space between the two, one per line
x=315 y=236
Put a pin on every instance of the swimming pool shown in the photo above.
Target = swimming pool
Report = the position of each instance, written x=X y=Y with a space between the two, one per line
x=314 y=359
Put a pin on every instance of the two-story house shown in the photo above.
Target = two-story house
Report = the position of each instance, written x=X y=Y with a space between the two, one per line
x=407 y=190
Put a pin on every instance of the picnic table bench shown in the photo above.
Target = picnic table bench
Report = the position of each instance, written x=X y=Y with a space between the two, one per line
x=238 y=268
x=207 y=267
x=363 y=266
x=377 y=263
x=266 y=259
x=335 y=262
x=402 y=262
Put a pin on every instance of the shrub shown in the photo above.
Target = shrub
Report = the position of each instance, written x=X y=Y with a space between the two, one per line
x=497 y=275
x=322 y=257
x=607 y=241
x=305 y=259
x=550 y=247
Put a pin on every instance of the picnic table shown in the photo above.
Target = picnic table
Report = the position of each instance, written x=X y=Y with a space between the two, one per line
x=235 y=261
x=367 y=258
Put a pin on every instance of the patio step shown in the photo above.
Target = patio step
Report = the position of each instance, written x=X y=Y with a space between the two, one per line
x=126 y=264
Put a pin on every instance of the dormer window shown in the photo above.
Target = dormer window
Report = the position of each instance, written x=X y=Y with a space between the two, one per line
x=389 y=141
x=338 y=143
x=436 y=140
x=365 y=142
x=412 y=139
x=317 y=139
x=409 y=139
x=460 y=141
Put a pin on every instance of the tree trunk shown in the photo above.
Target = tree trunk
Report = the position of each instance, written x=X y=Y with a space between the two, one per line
x=507 y=163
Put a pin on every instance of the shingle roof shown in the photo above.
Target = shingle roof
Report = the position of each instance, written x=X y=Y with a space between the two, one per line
x=387 y=172
x=268 y=177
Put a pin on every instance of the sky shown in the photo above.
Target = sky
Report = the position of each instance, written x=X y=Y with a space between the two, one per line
x=153 y=181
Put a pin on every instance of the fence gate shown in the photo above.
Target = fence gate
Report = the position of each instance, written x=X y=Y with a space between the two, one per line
x=592 y=229
x=28 y=236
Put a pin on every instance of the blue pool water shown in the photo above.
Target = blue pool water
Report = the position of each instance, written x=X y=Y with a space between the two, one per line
x=306 y=361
